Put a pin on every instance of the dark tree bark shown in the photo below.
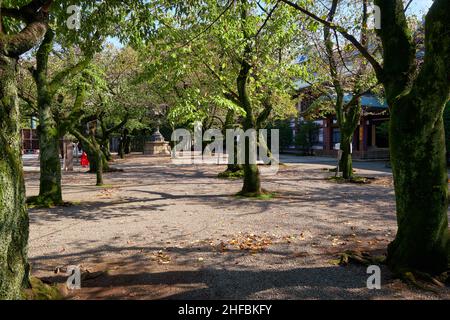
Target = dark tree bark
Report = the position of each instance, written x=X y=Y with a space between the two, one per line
x=416 y=100
x=14 y=269
x=417 y=136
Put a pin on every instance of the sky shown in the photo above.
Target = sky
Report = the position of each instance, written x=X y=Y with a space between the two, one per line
x=420 y=7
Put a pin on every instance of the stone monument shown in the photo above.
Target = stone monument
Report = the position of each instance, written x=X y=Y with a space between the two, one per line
x=157 y=145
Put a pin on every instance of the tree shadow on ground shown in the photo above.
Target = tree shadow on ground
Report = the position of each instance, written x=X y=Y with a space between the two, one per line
x=139 y=281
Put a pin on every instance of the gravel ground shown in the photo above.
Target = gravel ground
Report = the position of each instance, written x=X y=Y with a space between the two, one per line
x=159 y=230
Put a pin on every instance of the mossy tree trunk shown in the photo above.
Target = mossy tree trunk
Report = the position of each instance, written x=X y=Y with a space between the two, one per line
x=106 y=147
x=49 y=149
x=49 y=130
x=416 y=100
x=346 y=161
x=14 y=269
x=124 y=144
x=418 y=159
x=252 y=180
x=13 y=214
x=416 y=136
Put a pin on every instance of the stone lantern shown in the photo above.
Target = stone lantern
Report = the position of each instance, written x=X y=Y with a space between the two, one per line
x=157 y=145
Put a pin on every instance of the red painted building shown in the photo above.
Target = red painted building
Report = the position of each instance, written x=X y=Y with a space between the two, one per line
x=30 y=141
x=370 y=138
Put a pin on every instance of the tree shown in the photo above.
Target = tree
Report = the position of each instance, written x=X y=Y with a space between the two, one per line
x=348 y=114
x=49 y=130
x=416 y=96
x=110 y=101
x=14 y=269
x=249 y=49
x=98 y=22
x=23 y=25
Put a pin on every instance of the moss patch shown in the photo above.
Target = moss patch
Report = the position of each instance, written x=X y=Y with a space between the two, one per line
x=231 y=174
x=109 y=186
x=263 y=195
x=42 y=291
x=39 y=202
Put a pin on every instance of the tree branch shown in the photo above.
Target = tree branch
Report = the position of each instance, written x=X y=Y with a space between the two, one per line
x=35 y=14
x=59 y=78
x=375 y=64
x=269 y=15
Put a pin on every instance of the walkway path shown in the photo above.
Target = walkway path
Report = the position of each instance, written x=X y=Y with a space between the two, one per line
x=160 y=230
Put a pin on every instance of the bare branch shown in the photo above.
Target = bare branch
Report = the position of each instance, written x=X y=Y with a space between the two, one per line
x=375 y=64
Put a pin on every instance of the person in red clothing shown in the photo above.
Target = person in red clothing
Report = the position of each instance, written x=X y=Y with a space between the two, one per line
x=84 y=160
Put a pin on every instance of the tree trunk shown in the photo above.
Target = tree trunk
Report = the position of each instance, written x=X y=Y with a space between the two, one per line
x=99 y=171
x=95 y=155
x=345 y=164
x=229 y=124
x=121 y=149
x=13 y=214
x=418 y=159
x=234 y=167
x=252 y=180
x=349 y=118
x=106 y=148
x=14 y=268
x=50 y=165
x=417 y=138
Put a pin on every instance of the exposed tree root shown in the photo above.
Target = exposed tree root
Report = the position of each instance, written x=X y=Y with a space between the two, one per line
x=414 y=278
x=354 y=180
x=358 y=257
x=423 y=281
